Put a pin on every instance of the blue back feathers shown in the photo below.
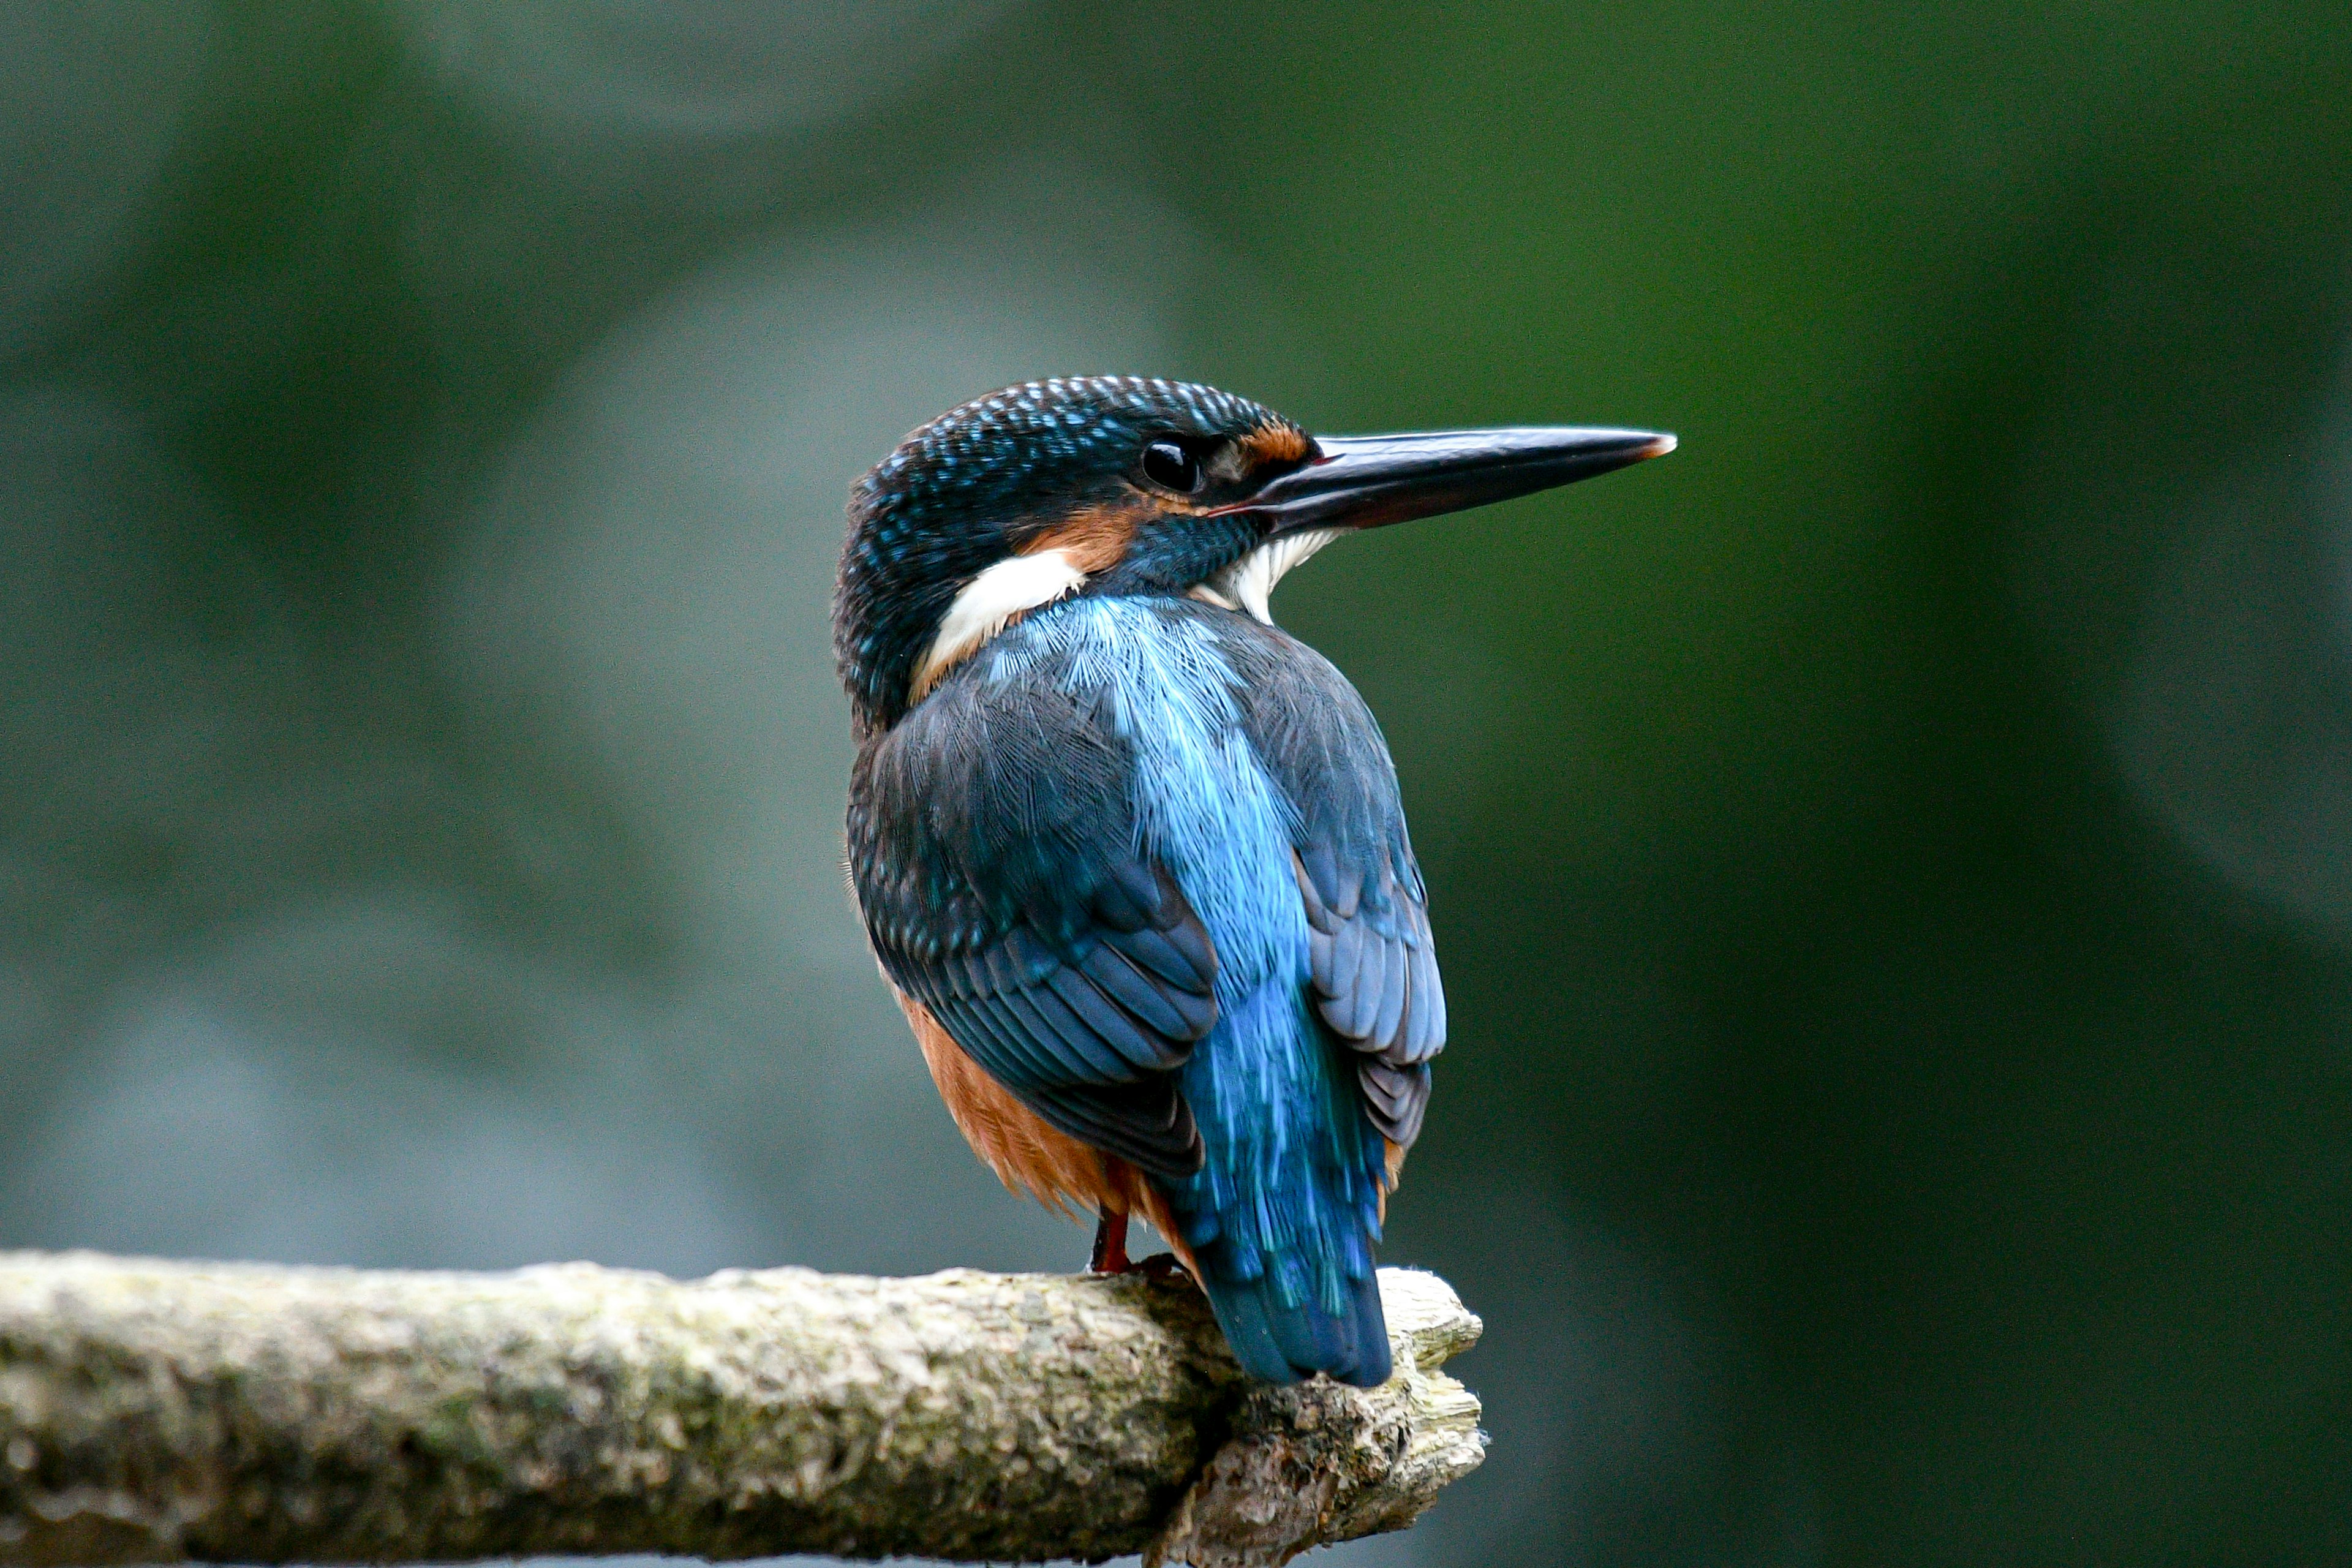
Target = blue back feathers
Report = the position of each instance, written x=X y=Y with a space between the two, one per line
x=1285 y=1209
x=1143 y=858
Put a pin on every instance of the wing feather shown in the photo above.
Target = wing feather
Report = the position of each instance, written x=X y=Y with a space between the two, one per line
x=993 y=854
x=1370 y=950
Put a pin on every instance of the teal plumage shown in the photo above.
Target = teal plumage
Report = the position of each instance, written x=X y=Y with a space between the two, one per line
x=1139 y=854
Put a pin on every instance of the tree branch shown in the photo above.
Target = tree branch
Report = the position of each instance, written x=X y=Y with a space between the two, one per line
x=158 y=1412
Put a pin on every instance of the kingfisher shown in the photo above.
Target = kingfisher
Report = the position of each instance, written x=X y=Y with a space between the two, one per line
x=1133 y=858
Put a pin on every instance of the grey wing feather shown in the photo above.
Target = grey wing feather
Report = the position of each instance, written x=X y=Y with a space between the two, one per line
x=993 y=849
x=1373 y=958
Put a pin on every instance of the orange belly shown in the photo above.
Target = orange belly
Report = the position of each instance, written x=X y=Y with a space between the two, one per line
x=1025 y=1152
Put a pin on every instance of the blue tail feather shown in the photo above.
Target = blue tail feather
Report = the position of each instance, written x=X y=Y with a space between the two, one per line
x=1283 y=1216
x=1278 y=1344
x=1283 y=1211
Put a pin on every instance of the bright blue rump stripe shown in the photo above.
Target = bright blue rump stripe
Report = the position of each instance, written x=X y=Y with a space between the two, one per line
x=1290 y=1191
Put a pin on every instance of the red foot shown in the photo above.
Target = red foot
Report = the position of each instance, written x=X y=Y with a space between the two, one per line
x=1110 y=1246
x=1111 y=1256
x=1163 y=1269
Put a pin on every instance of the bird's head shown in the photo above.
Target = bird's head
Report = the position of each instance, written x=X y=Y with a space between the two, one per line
x=1129 y=485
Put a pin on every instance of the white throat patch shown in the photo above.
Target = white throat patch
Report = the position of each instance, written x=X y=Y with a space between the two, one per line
x=1019 y=584
x=1014 y=586
x=1249 y=583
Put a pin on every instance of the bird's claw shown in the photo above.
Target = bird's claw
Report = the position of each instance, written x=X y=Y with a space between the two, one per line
x=1163 y=1269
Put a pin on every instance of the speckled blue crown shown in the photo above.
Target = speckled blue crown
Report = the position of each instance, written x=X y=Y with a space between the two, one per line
x=937 y=511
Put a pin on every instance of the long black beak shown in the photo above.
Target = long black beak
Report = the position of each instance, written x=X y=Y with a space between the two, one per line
x=1371 y=481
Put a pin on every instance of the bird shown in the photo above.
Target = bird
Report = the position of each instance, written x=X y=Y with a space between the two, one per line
x=1133 y=859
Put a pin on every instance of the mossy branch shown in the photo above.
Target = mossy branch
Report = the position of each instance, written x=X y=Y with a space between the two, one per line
x=161 y=1411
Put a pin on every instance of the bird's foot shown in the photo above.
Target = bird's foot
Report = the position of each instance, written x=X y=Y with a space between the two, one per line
x=1111 y=1256
x=1110 y=1246
x=1163 y=1269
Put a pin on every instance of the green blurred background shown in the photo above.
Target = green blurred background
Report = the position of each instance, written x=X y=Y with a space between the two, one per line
x=1893 y=860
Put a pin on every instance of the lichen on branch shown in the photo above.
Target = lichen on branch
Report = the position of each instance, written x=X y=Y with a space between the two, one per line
x=162 y=1412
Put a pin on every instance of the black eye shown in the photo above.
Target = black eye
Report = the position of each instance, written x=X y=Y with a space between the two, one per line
x=1166 y=463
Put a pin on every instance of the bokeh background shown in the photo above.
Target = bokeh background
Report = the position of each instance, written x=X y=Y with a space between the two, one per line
x=1893 y=860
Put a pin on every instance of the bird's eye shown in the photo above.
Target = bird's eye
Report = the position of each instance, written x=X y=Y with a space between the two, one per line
x=1167 y=463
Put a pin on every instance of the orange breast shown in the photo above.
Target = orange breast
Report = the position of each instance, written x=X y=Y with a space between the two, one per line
x=1025 y=1151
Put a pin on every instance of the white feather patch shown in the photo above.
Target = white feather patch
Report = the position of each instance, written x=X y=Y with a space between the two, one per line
x=1249 y=583
x=987 y=604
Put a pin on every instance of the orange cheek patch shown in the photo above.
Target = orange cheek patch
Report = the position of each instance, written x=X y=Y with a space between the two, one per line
x=1093 y=539
x=1277 y=441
